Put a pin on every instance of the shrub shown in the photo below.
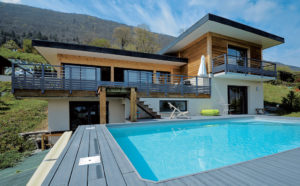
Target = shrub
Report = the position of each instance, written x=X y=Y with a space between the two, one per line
x=291 y=103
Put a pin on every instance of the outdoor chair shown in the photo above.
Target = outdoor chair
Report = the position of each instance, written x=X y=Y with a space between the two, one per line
x=176 y=113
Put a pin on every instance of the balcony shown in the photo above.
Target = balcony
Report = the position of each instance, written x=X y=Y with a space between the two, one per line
x=72 y=78
x=227 y=66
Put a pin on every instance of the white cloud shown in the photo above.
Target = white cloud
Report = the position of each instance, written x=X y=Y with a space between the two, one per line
x=11 y=1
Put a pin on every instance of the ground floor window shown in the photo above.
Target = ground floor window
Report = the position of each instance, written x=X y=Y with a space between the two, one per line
x=180 y=104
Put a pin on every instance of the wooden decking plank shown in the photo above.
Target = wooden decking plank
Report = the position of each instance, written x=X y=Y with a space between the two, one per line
x=272 y=172
x=132 y=179
x=292 y=171
x=238 y=174
x=254 y=173
x=122 y=161
x=65 y=169
x=208 y=179
x=95 y=172
x=191 y=180
x=53 y=170
x=175 y=182
x=225 y=178
x=113 y=174
x=287 y=163
x=80 y=173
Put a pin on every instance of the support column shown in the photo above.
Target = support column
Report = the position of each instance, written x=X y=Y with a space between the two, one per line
x=102 y=101
x=112 y=73
x=133 y=107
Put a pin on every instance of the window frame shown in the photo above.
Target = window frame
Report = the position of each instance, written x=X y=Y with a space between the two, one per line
x=173 y=103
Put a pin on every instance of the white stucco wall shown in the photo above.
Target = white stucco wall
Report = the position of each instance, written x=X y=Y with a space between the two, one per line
x=58 y=115
x=219 y=97
x=116 y=110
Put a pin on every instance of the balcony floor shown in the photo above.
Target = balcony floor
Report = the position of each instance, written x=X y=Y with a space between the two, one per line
x=243 y=76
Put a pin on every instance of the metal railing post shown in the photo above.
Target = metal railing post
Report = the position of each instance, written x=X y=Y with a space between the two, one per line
x=181 y=84
x=96 y=80
x=166 y=88
x=225 y=63
x=275 y=70
x=148 y=84
x=70 y=80
x=245 y=66
x=43 y=79
x=13 y=78
x=196 y=85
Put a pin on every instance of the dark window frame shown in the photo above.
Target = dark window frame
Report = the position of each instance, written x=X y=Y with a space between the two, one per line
x=173 y=102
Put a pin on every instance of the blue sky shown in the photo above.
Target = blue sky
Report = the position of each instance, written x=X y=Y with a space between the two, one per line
x=280 y=17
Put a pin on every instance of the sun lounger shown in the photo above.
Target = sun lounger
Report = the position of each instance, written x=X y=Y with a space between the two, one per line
x=176 y=113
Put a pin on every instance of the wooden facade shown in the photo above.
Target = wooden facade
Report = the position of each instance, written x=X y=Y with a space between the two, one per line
x=212 y=45
x=113 y=63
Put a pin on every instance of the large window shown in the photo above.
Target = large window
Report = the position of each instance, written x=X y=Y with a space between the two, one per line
x=180 y=104
x=237 y=55
x=123 y=75
x=87 y=72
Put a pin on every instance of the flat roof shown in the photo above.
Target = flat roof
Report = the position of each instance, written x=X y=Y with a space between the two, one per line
x=50 y=49
x=223 y=26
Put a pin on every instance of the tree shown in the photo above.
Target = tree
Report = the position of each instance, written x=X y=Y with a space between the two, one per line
x=145 y=40
x=12 y=45
x=291 y=102
x=122 y=36
x=100 y=43
x=27 y=45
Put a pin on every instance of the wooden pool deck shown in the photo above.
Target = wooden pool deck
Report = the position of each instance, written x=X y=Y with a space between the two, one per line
x=115 y=169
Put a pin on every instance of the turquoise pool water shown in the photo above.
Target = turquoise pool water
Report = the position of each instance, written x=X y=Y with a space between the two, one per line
x=165 y=150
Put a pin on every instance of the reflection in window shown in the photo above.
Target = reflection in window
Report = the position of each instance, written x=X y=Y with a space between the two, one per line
x=237 y=56
x=86 y=72
x=164 y=106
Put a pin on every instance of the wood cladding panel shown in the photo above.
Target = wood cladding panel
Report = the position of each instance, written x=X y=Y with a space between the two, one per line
x=194 y=53
x=83 y=60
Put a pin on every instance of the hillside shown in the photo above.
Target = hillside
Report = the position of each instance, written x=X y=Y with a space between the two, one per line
x=21 y=21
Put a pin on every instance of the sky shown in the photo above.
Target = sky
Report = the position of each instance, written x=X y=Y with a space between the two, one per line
x=279 y=17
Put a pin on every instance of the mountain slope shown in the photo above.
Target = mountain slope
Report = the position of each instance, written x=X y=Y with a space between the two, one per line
x=24 y=21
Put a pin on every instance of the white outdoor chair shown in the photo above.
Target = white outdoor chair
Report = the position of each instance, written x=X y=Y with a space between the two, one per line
x=176 y=113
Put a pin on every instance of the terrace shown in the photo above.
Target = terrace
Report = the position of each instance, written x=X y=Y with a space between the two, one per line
x=114 y=168
x=226 y=65
x=70 y=78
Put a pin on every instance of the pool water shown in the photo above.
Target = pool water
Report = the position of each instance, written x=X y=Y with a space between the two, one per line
x=166 y=150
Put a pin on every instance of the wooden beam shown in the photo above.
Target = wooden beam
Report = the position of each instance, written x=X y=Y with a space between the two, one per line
x=171 y=95
x=102 y=100
x=133 y=107
x=112 y=73
x=53 y=93
x=209 y=53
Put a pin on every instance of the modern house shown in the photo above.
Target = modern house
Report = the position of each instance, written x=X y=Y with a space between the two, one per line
x=89 y=85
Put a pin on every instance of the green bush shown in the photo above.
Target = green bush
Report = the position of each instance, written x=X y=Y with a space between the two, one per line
x=291 y=103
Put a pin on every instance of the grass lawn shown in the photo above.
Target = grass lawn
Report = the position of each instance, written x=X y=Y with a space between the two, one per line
x=18 y=116
x=273 y=94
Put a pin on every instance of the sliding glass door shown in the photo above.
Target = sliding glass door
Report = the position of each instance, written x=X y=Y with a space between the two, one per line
x=237 y=100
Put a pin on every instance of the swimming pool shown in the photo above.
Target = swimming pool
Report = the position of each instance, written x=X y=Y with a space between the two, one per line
x=166 y=150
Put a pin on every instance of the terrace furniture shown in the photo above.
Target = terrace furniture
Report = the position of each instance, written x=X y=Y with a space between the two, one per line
x=260 y=111
x=210 y=112
x=176 y=113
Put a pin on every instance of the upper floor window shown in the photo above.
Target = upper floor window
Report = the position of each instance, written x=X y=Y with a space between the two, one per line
x=87 y=72
x=237 y=55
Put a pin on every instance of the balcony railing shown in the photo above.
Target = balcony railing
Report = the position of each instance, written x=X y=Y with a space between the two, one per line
x=48 y=77
x=227 y=63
